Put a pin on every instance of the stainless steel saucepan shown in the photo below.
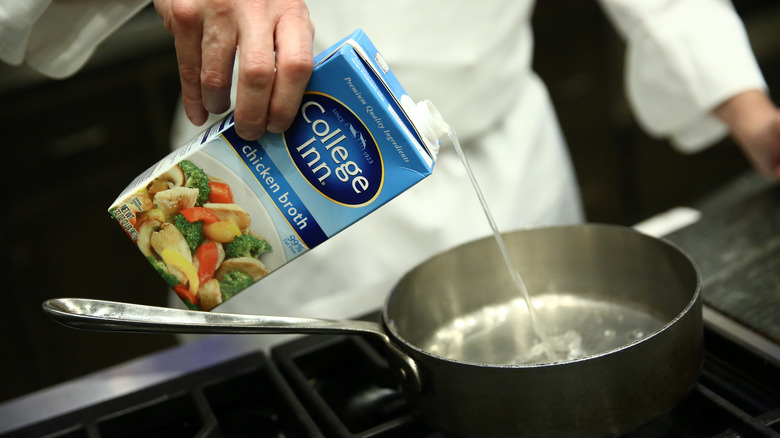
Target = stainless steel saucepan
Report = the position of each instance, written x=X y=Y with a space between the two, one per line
x=622 y=311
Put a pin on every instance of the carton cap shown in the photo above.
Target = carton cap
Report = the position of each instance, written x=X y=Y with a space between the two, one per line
x=428 y=121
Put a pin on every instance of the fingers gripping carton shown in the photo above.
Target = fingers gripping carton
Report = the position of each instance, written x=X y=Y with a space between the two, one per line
x=220 y=212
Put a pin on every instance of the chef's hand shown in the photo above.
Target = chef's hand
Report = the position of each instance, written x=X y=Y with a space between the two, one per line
x=273 y=39
x=755 y=125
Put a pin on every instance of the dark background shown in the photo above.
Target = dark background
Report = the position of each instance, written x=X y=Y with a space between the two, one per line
x=71 y=146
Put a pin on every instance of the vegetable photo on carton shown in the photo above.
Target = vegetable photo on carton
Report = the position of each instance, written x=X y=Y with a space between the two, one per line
x=196 y=238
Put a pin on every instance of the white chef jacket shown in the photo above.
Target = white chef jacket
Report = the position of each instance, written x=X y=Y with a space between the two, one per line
x=473 y=61
x=57 y=37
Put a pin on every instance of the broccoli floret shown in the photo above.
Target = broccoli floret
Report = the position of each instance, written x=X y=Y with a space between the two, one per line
x=192 y=231
x=246 y=245
x=196 y=178
x=159 y=266
x=191 y=306
x=234 y=282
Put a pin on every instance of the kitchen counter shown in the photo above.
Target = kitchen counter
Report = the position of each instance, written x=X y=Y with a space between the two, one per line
x=736 y=245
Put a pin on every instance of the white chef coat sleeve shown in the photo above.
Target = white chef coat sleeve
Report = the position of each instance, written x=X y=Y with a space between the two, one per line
x=57 y=37
x=683 y=58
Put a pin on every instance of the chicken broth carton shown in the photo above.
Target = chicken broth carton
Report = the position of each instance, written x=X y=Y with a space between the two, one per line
x=220 y=213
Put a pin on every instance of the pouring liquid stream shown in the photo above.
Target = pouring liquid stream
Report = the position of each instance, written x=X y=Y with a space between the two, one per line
x=536 y=324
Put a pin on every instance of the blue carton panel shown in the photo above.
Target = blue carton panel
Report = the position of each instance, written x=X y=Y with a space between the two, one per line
x=350 y=150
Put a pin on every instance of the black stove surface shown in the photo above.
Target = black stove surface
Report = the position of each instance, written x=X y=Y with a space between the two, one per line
x=341 y=386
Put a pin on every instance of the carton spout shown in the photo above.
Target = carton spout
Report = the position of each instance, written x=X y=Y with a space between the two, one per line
x=428 y=120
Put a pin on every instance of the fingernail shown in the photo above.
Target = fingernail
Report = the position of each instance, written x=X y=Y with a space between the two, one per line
x=276 y=128
x=249 y=134
x=197 y=119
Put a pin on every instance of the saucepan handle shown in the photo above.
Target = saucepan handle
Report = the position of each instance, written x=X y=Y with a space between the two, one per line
x=102 y=315
x=126 y=317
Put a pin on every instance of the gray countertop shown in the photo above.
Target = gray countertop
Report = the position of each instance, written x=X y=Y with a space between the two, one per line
x=736 y=245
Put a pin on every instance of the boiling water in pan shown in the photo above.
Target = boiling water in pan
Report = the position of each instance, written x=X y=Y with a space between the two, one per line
x=514 y=341
x=576 y=327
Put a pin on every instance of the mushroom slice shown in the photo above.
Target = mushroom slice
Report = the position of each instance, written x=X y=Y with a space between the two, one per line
x=170 y=237
x=150 y=214
x=174 y=177
x=232 y=212
x=174 y=200
x=209 y=295
x=248 y=265
x=145 y=231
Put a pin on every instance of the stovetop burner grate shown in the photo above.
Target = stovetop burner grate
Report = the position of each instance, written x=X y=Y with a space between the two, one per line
x=243 y=397
x=737 y=396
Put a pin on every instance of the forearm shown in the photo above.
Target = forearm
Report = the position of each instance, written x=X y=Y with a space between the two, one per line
x=745 y=113
x=754 y=123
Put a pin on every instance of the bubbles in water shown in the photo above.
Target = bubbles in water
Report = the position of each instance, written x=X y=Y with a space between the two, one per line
x=568 y=345
x=565 y=346
x=500 y=334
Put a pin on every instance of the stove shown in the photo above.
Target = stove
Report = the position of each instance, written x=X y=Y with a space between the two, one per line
x=341 y=386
